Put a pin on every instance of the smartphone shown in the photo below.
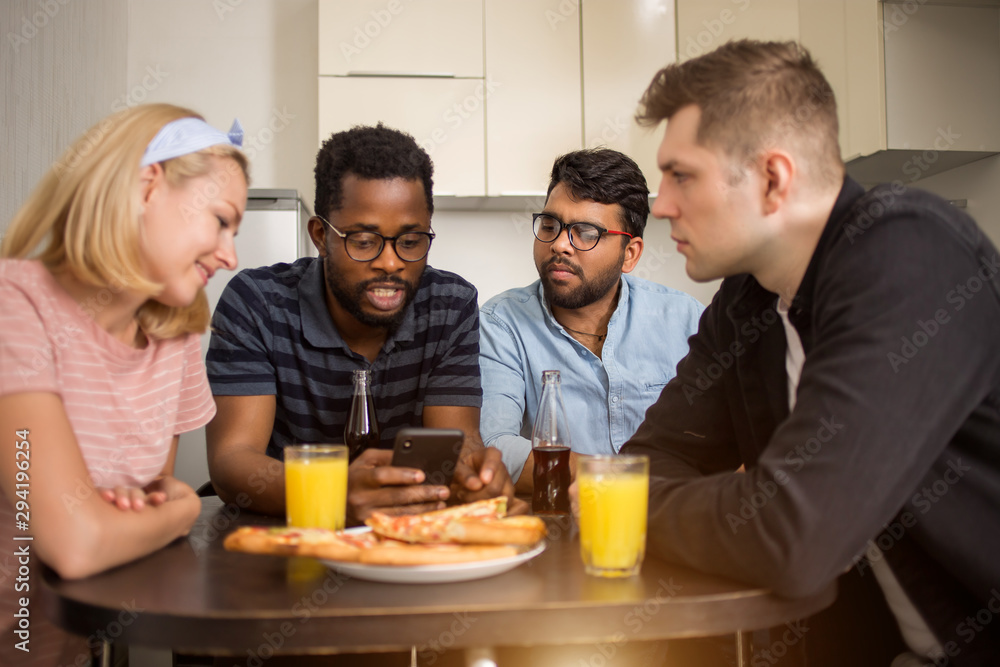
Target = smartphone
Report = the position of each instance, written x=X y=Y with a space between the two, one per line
x=433 y=450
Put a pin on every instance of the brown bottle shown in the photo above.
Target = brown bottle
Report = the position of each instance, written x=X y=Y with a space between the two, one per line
x=550 y=445
x=361 y=430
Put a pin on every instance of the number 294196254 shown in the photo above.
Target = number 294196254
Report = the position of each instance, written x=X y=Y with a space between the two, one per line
x=22 y=479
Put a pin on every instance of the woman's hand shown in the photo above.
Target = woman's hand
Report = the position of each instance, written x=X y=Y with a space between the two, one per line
x=161 y=490
x=126 y=497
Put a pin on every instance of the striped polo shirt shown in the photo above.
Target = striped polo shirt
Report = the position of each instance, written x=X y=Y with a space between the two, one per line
x=272 y=334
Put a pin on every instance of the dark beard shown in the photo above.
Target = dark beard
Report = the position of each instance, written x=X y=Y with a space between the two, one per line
x=350 y=300
x=589 y=291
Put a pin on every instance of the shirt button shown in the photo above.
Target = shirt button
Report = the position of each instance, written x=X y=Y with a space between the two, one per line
x=614 y=399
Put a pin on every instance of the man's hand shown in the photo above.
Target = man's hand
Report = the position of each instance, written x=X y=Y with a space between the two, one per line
x=372 y=484
x=481 y=474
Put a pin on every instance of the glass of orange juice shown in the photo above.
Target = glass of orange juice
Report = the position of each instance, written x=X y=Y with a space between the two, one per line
x=614 y=497
x=316 y=486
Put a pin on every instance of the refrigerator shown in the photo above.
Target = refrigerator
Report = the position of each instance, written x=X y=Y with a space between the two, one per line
x=273 y=230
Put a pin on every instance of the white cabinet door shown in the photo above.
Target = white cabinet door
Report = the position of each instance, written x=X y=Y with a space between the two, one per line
x=624 y=45
x=704 y=25
x=845 y=39
x=445 y=116
x=442 y=37
x=942 y=75
x=534 y=106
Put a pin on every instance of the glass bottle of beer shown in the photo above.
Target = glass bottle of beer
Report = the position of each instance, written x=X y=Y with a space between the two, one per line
x=361 y=430
x=550 y=445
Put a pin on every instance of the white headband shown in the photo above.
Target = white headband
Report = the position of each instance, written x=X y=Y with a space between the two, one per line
x=188 y=135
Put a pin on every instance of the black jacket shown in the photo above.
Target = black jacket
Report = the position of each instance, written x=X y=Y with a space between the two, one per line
x=896 y=426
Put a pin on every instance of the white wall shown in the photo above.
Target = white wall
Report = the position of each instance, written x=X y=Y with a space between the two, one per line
x=64 y=67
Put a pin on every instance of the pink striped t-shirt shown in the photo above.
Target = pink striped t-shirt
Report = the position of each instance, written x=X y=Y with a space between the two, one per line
x=125 y=404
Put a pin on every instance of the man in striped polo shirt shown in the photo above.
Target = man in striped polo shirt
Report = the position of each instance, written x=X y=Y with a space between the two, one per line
x=287 y=338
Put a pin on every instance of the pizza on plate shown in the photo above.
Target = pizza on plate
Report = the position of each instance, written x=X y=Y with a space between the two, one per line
x=464 y=533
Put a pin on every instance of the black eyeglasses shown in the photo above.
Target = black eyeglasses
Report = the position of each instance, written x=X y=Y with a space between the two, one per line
x=367 y=246
x=582 y=235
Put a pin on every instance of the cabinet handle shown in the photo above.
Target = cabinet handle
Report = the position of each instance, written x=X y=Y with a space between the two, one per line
x=436 y=75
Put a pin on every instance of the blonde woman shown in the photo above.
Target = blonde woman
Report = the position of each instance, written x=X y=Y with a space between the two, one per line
x=101 y=304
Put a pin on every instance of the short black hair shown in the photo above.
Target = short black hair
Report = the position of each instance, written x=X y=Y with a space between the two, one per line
x=373 y=153
x=606 y=177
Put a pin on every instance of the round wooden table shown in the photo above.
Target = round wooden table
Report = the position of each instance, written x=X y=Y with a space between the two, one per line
x=195 y=597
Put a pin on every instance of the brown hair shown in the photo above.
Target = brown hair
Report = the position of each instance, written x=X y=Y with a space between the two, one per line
x=751 y=95
x=83 y=216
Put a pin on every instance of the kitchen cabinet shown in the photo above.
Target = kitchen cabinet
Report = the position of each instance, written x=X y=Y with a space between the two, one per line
x=624 y=45
x=534 y=108
x=436 y=37
x=917 y=85
x=445 y=116
x=704 y=25
x=495 y=90
x=845 y=38
x=415 y=66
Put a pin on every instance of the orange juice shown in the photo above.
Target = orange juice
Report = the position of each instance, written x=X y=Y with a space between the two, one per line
x=316 y=491
x=613 y=521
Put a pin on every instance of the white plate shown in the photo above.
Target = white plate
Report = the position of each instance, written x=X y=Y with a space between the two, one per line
x=432 y=574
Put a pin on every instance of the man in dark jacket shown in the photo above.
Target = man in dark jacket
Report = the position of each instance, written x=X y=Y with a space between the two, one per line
x=850 y=361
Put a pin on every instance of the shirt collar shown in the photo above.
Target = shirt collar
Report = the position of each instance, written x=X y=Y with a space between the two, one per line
x=621 y=307
x=317 y=324
x=850 y=192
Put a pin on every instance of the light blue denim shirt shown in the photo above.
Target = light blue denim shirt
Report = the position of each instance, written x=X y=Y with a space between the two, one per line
x=605 y=398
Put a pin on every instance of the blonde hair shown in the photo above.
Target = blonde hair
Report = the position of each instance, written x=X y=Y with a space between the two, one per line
x=750 y=94
x=84 y=215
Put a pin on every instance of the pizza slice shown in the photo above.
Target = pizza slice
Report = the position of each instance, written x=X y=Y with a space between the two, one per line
x=392 y=552
x=315 y=542
x=429 y=526
x=482 y=522
x=519 y=530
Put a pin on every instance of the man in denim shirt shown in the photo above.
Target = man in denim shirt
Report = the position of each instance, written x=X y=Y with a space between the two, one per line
x=615 y=338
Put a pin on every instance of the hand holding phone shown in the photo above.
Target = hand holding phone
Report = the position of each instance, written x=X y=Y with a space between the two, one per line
x=433 y=450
